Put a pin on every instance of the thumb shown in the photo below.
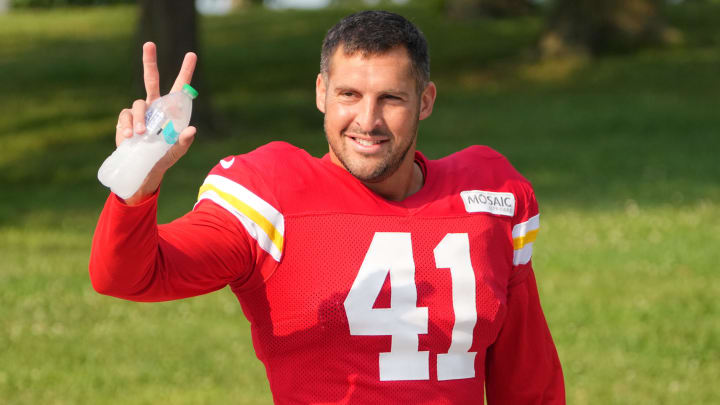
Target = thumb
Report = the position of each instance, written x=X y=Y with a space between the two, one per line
x=186 y=138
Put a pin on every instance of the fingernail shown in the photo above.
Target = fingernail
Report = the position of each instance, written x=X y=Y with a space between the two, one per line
x=128 y=132
x=139 y=127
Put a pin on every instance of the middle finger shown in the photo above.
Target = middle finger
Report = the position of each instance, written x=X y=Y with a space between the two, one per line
x=186 y=71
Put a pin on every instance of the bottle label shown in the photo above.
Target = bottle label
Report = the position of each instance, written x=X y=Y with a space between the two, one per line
x=169 y=133
x=154 y=120
x=157 y=123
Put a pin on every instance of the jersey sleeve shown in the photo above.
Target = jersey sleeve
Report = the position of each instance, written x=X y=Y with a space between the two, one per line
x=522 y=365
x=234 y=235
x=134 y=258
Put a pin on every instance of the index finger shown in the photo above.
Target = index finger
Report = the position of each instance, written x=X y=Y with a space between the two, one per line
x=151 y=76
x=186 y=71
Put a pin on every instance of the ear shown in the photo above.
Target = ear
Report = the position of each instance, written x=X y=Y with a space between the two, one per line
x=320 y=92
x=427 y=100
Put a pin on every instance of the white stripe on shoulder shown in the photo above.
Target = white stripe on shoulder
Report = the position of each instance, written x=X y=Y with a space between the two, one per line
x=523 y=228
x=261 y=220
x=523 y=255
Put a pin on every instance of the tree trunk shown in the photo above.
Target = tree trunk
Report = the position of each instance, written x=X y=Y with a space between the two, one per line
x=173 y=26
x=604 y=26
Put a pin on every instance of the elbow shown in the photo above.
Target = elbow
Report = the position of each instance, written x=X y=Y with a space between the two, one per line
x=114 y=280
x=101 y=279
x=101 y=286
x=100 y=282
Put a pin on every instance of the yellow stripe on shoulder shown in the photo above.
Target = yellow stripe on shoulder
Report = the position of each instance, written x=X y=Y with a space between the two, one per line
x=275 y=236
x=262 y=221
x=521 y=241
x=524 y=234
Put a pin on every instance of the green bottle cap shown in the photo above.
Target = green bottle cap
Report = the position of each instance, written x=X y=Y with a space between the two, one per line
x=189 y=90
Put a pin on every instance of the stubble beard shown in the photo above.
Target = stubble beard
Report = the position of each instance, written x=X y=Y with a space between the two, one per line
x=377 y=172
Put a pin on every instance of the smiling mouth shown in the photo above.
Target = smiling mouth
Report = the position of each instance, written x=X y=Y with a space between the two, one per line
x=368 y=142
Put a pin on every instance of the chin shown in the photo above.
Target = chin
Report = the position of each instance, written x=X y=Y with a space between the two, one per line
x=370 y=174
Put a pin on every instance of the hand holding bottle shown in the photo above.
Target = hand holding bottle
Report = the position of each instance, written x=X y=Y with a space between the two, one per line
x=132 y=122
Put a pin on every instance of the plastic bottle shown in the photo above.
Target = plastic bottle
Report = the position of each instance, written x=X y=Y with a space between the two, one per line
x=126 y=168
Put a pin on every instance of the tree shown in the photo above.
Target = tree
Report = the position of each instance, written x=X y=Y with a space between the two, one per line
x=602 y=26
x=173 y=26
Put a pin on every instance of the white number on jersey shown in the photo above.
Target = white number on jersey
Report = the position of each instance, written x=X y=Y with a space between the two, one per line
x=391 y=252
x=453 y=252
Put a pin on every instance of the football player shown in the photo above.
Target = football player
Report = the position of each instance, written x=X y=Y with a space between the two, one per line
x=369 y=275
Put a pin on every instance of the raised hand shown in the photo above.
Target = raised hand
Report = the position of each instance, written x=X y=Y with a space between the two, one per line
x=135 y=118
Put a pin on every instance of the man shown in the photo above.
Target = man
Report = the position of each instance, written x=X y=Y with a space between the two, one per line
x=371 y=275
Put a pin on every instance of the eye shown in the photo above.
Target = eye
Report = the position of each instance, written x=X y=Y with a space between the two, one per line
x=346 y=93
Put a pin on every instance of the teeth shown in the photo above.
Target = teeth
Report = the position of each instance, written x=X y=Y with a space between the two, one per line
x=365 y=142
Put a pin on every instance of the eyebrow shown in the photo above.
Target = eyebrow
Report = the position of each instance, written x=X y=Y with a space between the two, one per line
x=394 y=92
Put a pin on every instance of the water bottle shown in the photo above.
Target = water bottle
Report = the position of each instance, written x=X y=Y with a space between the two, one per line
x=126 y=168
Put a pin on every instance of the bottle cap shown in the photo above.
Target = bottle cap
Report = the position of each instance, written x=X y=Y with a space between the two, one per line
x=189 y=90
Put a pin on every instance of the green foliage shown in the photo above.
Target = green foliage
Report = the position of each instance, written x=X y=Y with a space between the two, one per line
x=63 y=3
x=602 y=27
x=622 y=153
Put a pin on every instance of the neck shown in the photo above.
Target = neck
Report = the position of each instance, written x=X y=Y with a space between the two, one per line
x=407 y=180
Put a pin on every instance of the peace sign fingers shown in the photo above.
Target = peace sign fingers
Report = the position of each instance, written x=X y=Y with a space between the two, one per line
x=151 y=76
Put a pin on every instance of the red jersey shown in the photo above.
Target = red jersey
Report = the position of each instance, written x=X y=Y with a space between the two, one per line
x=354 y=299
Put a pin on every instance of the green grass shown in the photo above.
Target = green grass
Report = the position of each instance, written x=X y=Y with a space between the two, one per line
x=622 y=152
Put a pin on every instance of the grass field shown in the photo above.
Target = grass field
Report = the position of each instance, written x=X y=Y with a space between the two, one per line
x=622 y=152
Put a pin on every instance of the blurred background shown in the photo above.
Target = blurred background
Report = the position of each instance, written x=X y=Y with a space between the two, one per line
x=608 y=107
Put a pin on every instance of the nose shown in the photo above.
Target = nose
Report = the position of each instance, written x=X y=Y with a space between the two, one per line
x=369 y=116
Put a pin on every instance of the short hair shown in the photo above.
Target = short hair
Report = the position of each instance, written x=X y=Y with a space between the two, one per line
x=377 y=32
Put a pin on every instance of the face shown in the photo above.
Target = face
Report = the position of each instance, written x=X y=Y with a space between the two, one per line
x=372 y=108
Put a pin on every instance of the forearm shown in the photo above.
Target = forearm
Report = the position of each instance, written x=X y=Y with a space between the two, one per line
x=125 y=247
x=135 y=258
x=522 y=366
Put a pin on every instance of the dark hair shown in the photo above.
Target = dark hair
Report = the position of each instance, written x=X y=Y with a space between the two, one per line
x=376 y=32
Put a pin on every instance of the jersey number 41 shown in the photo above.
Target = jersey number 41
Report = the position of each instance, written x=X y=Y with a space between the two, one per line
x=404 y=320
